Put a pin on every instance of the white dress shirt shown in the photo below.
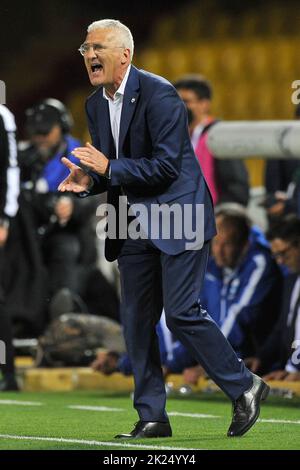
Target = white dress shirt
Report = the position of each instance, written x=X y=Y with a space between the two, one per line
x=115 y=109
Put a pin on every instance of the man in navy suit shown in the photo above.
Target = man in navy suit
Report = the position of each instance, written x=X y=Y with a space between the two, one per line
x=141 y=149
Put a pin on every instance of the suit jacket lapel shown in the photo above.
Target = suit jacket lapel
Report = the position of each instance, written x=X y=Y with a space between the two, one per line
x=130 y=99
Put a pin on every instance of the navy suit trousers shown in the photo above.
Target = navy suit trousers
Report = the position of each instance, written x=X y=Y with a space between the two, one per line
x=150 y=281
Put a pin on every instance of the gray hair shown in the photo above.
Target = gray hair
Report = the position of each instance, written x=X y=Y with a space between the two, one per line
x=124 y=32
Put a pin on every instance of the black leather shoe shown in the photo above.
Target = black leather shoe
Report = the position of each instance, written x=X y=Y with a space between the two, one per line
x=143 y=429
x=247 y=407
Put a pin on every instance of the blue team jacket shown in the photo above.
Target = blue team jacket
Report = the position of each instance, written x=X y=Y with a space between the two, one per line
x=236 y=299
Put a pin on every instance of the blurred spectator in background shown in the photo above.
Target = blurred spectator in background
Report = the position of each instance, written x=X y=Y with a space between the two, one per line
x=59 y=218
x=56 y=245
x=280 y=354
x=243 y=282
x=9 y=191
x=73 y=339
x=242 y=285
x=282 y=182
x=227 y=179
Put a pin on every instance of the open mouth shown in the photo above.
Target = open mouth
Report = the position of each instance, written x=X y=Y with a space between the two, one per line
x=96 y=68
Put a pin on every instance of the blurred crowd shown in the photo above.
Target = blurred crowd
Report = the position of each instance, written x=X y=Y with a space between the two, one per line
x=54 y=284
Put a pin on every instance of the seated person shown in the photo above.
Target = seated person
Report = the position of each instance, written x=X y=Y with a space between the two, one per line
x=242 y=285
x=282 y=182
x=280 y=355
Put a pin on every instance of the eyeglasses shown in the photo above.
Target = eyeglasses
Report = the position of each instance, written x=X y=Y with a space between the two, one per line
x=98 y=48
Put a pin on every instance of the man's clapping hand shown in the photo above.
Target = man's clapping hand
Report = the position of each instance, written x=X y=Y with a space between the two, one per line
x=92 y=158
x=77 y=181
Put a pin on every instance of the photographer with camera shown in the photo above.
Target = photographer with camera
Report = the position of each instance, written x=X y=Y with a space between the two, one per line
x=66 y=240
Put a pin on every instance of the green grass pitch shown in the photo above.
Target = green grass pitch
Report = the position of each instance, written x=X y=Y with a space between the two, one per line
x=47 y=422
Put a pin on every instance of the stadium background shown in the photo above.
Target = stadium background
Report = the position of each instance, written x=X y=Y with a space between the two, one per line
x=250 y=52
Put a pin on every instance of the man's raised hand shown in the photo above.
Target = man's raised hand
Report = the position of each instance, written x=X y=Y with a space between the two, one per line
x=77 y=181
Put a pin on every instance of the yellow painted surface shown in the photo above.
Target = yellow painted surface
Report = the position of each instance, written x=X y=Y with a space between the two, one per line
x=67 y=379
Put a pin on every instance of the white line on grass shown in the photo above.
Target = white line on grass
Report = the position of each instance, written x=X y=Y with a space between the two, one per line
x=20 y=403
x=94 y=408
x=279 y=421
x=192 y=415
x=91 y=443
x=203 y=416
x=171 y=413
x=177 y=413
x=196 y=415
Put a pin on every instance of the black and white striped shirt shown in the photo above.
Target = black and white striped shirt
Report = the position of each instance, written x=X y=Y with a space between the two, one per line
x=9 y=171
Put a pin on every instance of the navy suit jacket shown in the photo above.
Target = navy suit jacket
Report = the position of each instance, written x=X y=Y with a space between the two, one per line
x=156 y=163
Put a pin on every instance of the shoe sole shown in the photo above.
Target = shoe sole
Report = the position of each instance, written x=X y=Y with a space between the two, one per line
x=263 y=397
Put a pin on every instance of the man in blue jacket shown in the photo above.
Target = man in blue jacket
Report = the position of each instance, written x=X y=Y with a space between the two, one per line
x=280 y=354
x=141 y=148
x=242 y=285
